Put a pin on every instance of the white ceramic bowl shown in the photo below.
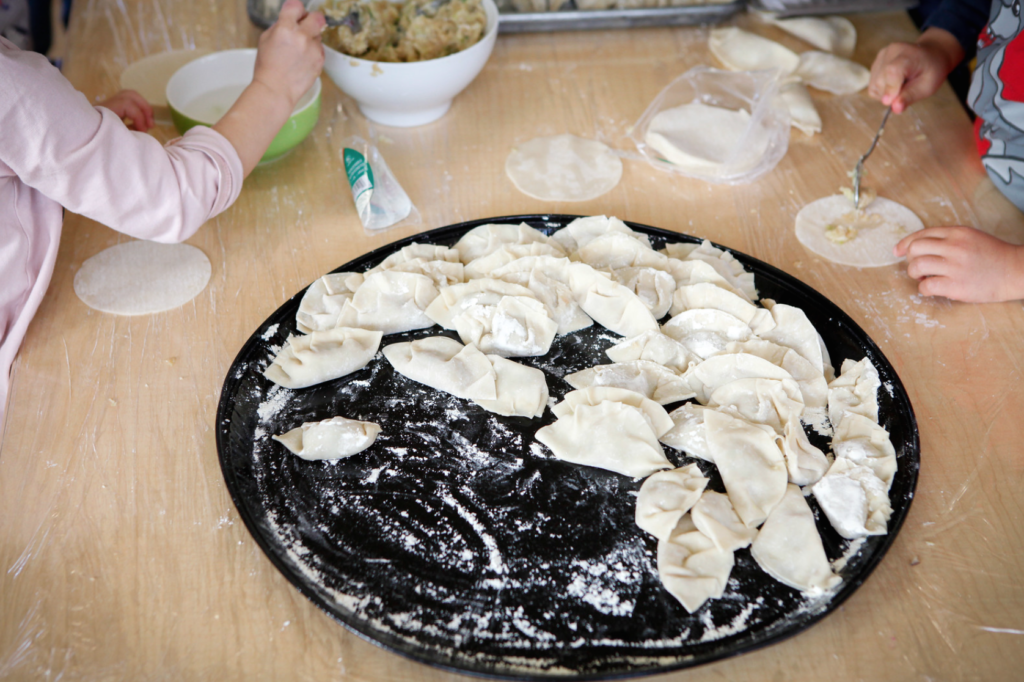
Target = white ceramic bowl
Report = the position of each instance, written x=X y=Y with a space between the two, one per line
x=413 y=93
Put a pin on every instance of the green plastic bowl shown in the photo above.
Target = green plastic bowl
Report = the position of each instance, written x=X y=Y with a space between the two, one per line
x=200 y=92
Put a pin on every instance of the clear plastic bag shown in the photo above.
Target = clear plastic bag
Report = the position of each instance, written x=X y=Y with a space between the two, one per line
x=380 y=200
x=741 y=158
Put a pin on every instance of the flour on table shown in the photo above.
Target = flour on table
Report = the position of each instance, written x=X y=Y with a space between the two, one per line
x=875 y=233
x=563 y=168
x=141 y=278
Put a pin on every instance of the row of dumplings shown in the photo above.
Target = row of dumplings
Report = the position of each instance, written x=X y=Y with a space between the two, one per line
x=756 y=372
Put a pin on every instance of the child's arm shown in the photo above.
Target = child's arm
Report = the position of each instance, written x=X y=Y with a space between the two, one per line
x=289 y=59
x=904 y=73
x=964 y=264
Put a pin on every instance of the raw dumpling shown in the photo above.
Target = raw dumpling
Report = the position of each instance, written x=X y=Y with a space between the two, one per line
x=854 y=391
x=741 y=50
x=390 y=302
x=717 y=370
x=826 y=71
x=688 y=432
x=417 y=251
x=665 y=496
x=714 y=516
x=854 y=499
x=610 y=304
x=752 y=466
x=447 y=365
x=441 y=272
x=547 y=278
x=649 y=379
x=710 y=296
x=802 y=112
x=699 y=138
x=321 y=305
x=696 y=271
x=691 y=567
x=486 y=239
x=722 y=261
x=653 y=287
x=485 y=292
x=813 y=386
x=581 y=231
x=332 y=438
x=521 y=391
x=323 y=356
x=793 y=330
x=486 y=265
x=656 y=347
x=516 y=327
x=610 y=435
x=789 y=548
x=862 y=441
x=706 y=331
x=831 y=34
x=614 y=250
x=655 y=414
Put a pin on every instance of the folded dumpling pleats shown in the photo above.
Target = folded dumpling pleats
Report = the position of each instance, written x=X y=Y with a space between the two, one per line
x=665 y=496
x=323 y=356
x=691 y=567
x=329 y=439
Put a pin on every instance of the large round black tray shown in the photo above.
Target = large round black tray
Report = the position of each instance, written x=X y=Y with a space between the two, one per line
x=458 y=541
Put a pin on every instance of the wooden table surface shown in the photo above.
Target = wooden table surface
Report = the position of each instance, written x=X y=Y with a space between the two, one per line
x=121 y=553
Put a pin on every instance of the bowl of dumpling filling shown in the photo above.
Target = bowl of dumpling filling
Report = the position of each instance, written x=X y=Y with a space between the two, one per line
x=404 y=62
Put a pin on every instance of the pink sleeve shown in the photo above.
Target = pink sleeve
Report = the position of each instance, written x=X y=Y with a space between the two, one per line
x=84 y=157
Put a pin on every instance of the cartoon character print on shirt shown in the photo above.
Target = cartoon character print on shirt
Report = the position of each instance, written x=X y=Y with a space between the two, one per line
x=997 y=96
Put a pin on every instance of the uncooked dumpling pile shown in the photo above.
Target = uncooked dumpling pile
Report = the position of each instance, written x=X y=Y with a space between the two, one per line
x=745 y=374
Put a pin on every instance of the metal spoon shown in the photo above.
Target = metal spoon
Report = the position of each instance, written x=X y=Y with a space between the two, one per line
x=858 y=171
x=351 y=20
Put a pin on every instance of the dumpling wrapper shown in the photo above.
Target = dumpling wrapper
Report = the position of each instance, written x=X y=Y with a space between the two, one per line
x=741 y=50
x=520 y=391
x=547 y=278
x=332 y=438
x=854 y=391
x=485 y=266
x=864 y=442
x=789 y=548
x=831 y=34
x=516 y=327
x=802 y=112
x=691 y=567
x=610 y=435
x=752 y=466
x=707 y=295
x=417 y=251
x=610 y=304
x=581 y=231
x=563 y=168
x=699 y=138
x=705 y=332
x=713 y=515
x=722 y=261
x=452 y=301
x=834 y=74
x=321 y=305
x=688 y=432
x=666 y=496
x=323 y=356
x=872 y=247
x=717 y=370
x=854 y=499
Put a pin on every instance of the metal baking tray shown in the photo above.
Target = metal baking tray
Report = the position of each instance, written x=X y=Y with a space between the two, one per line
x=458 y=541
x=263 y=13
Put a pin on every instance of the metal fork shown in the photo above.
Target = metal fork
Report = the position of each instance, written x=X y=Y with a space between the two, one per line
x=858 y=171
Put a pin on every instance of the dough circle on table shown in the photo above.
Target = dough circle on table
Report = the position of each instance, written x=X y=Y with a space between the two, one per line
x=140 y=278
x=149 y=76
x=872 y=247
x=563 y=168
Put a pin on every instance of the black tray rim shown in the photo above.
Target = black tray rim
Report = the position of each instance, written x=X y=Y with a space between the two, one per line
x=553 y=220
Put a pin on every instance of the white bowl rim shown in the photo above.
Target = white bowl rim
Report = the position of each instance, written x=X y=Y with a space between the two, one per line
x=491 y=30
x=315 y=89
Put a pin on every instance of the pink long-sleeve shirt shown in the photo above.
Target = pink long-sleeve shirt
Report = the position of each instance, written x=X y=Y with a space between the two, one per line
x=58 y=150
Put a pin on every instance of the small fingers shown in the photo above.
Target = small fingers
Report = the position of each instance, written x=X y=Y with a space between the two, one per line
x=292 y=12
x=936 y=233
x=939 y=286
x=927 y=266
x=312 y=24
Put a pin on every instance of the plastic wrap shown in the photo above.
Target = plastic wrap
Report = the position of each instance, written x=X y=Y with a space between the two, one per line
x=752 y=153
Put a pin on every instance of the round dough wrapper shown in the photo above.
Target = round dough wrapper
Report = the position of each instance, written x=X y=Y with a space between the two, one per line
x=140 y=278
x=872 y=247
x=563 y=168
x=149 y=77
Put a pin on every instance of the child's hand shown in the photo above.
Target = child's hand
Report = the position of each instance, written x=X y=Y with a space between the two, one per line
x=903 y=74
x=132 y=105
x=290 y=53
x=964 y=264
